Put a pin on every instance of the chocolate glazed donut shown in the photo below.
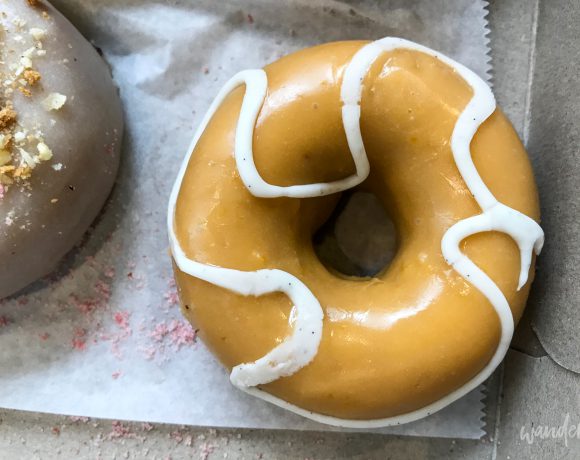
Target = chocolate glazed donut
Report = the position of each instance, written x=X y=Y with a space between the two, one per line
x=264 y=171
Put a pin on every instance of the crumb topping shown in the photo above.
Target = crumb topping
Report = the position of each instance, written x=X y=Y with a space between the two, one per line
x=22 y=145
x=54 y=101
x=32 y=77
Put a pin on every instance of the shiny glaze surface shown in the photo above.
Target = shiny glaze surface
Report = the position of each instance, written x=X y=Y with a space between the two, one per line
x=417 y=331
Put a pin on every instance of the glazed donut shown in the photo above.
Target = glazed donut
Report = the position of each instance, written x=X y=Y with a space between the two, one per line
x=264 y=172
x=60 y=136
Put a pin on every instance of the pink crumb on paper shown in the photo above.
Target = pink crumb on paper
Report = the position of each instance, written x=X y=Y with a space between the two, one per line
x=149 y=352
x=181 y=334
x=206 y=451
x=44 y=336
x=159 y=332
x=115 y=347
x=2 y=192
x=177 y=436
x=142 y=326
x=120 y=431
x=122 y=320
x=90 y=261
x=89 y=305
x=171 y=296
x=85 y=306
x=4 y=321
x=74 y=418
x=104 y=289
x=79 y=341
x=116 y=375
x=139 y=282
x=146 y=426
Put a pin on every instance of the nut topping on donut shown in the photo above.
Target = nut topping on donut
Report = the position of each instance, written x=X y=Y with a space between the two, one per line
x=22 y=144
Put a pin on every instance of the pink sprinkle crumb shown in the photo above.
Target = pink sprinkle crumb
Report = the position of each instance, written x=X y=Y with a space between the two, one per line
x=160 y=331
x=79 y=340
x=171 y=297
x=4 y=321
x=79 y=344
x=2 y=192
x=109 y=272
x=115 y=348
x=206 y=451
x=120 y=431
x=74 y=418
x=181 y=333
x=116 y=375
x=149 y=352
x=177 y=436
x=44 y=336
x=122 y=319
x=86 y=306
x=103 y=289
x=146 y=426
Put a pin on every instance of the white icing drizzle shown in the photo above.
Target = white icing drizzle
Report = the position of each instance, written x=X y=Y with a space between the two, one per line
x=302 y=344
x=306 y=317
x=243 y=151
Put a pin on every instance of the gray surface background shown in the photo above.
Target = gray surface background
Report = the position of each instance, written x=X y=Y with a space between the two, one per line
x=539 y=387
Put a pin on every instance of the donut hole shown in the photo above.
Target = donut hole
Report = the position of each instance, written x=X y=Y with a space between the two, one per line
x=359 y=239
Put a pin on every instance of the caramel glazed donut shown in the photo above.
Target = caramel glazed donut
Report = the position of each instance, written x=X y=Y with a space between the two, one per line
x=422 y=133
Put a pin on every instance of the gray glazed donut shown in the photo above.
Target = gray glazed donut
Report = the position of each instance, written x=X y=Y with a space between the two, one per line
x=61 y=125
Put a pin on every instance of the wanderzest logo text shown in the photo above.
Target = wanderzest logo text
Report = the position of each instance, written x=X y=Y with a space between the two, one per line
x=564 y=431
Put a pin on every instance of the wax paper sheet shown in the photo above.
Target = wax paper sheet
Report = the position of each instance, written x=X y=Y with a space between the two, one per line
x=103 y=336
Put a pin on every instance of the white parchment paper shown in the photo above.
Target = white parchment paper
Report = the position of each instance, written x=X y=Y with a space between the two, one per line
x=103 y=337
